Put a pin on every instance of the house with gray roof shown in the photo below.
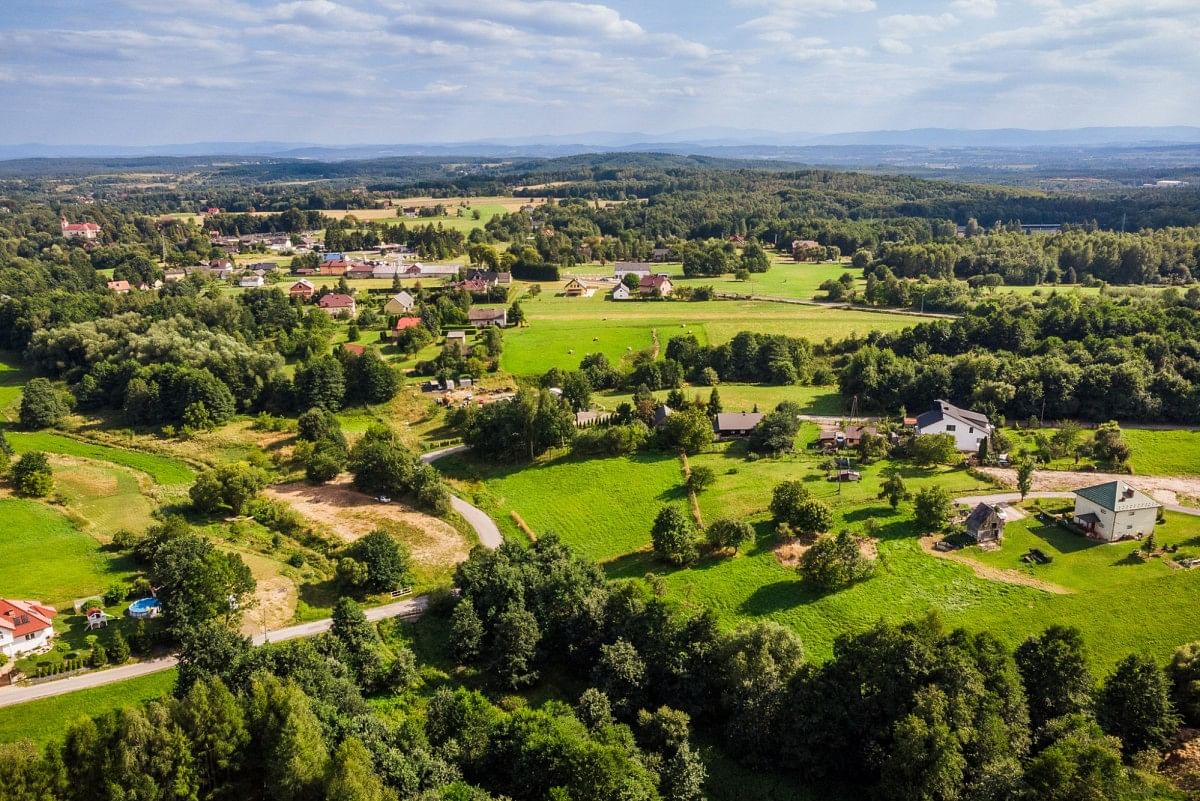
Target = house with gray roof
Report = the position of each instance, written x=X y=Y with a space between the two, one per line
x=968 y=428
x=733 y=425
x=1114 y=510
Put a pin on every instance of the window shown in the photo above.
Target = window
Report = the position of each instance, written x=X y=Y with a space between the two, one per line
x=951 y=427
x=970 y=429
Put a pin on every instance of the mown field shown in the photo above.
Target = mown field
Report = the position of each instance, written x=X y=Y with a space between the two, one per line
x=162 y=469
x=47 y=719
x=605 y=508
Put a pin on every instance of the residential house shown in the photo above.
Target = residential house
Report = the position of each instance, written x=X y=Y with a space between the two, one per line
x=986 y=522
x=1114 y=510
x=734 y=425
x=333 y=256
x=360 y=269
x=354 y=348
x=174 y=275
x=404 y=324
x=655 y=286
x=482 y=318
x=621 y=292
x=457 y=340
x=335 y=267
x=660 y=255
x=79 y=230
x=120 y=287
x=251 y=281
x=661 y=414
x=25 y=627
x=577 y=289
x=489 y=277
x=338 y=305
x=221 y=266
x=854 y=434
x=624 y=268
x=969 y=428
x=474 y=286
x=211 y=210
x=301 y=289
x=264 y=266
x=399 y=303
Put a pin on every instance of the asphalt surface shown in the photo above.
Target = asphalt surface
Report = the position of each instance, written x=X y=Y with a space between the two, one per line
x=485 y=527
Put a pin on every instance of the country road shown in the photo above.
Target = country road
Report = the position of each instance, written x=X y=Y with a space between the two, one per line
x=485 y=528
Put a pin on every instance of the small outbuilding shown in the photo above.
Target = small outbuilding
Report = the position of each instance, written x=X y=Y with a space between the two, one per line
x=986 y=522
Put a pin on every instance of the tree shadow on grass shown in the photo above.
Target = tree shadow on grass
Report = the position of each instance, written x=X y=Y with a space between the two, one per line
x=1130 y=559
x=636 y=565
x=319 y=595
x=1062 y=540
x=777 y=596
x=867 y=512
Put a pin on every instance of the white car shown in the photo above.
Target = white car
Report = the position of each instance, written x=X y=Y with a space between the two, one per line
x=384 y=499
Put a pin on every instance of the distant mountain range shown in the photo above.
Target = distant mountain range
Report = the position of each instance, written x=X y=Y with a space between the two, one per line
x=726 y=142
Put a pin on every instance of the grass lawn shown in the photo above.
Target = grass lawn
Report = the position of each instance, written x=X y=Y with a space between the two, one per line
x=164 y=470
x=13 y=376
x=47 y=719
x=105 y=497
x=48 y=559
x=1164 y=453
x=744 y=397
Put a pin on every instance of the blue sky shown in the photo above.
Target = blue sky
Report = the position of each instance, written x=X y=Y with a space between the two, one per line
x=378 y=71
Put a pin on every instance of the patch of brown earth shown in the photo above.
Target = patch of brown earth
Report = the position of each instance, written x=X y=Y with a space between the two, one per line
x=1182 y=763
x=1056 y=480
x=274 y=606
x=789 y=552
x=990 y=573
x=351 y=515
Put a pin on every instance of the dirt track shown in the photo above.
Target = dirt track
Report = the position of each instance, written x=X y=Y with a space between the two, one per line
x=991 y=573
x=350 y=514
x=1164 y=489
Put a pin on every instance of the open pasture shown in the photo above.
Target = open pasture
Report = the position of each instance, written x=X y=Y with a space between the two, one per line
x=13 y=376
x=46 y=720
x=163 y=469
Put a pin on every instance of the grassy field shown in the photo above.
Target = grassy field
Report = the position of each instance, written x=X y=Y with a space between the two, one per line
x=744 y=397
x=164 y=470
x=605 y=508
x=1164 y=453
x=104 y=498
x=13 y=376
x=49 y=559
x=45 y=720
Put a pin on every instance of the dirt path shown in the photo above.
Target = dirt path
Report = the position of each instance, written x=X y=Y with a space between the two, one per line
x=350 y=514
x=1164 y=489
x=989 y=573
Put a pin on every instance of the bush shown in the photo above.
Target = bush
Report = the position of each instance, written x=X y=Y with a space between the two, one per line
x=727 y=533
x=672 y=537
x=701 y=478
x=834 y=561
x=933 y=507
x=31 y=475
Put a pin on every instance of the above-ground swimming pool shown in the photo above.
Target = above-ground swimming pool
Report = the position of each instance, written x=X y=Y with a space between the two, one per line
x=145 y=607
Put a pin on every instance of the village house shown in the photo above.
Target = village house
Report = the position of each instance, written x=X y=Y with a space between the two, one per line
x=399 y=303
x=251 y=281
x=120 y=287
x=335 y=267
x=655 y=286
x=25 y=627
x=301 y=289
x=360 y=269
x=474 y=286
x=79 y=230
x=353 y=348
x=482 y=318
x=985 y=524
x=418 y=270
x=1114 y=510
x=661 y=414
x=578 y=289
x=734 y=425
x=221 y=266
x=490 y=277
x=635 y=268
x=969 y=428
x=174 y=275
x=660 y=255
x=264 y=266
x=621 y=292
x=404 y=324
x=338 y=305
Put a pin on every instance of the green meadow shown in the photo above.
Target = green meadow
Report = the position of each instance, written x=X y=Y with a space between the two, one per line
x=163 y=469
x=46 y=720
x=13 y=376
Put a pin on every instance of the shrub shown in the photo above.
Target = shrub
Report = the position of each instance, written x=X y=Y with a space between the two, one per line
x=672 y=537
x=834 y=561
x=42 y=405
x=31 y=475
x=727 y=533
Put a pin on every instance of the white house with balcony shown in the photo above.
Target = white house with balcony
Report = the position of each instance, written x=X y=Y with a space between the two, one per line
x=26 y=627
x=968 y=428
x=1114 y=510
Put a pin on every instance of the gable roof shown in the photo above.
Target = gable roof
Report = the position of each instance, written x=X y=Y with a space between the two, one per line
x=118 y=286
x=354 y=347
x=403 y=298
x=336 y=301
x=653 y=281
x=638 y=267
x=24 y=617
x=980 y=514
x=738 y=421
x=404 y=323
x=487 y=314
x=1117 y=496
x=943 y=409
x=301 y=284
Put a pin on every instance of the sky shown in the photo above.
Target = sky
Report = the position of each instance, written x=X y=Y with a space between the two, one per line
x=138 y=72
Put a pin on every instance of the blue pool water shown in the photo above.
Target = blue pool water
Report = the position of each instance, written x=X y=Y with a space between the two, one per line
x=145 y=606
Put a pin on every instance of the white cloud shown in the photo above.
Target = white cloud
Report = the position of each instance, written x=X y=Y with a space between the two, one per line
x=895 y=47
x=905 y=25
x=982 y=9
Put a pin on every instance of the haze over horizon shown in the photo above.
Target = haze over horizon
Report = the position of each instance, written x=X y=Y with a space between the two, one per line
x=337 y=72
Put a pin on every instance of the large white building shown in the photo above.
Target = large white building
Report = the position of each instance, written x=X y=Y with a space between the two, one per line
x=25 y=627
x=1114 y=510
x=969 y=428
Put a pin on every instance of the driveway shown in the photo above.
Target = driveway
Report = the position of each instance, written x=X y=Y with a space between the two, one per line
x=1052 y=483
x=485 y=527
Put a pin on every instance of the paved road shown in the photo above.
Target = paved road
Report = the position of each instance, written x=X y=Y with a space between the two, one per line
x=409 y=608
x=485 y=527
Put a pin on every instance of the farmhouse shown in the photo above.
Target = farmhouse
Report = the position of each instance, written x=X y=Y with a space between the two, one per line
x=621 y=292
x=732 y=425
x=490 y=277
x=969 y=428
x=577 y=289
x=1114 y=510
x=985 y=524
x=79 y=230
x=482 y=318
x=25 y=627
x=656 y=286
x=337 y=305
x=120 y=287
x=251 y=281
x=399 y=303
x=301 y=289
x=636 y=268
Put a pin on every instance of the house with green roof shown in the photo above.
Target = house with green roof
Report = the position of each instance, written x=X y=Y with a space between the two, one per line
x=1114 y=510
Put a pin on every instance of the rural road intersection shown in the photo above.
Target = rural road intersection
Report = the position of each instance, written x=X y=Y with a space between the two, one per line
x=485 y=529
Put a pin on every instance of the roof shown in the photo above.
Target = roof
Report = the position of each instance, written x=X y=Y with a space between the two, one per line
x=118 y=285
x=980 y=514
x=333 y=257
x=632 y=267
x=19 y=618
x=473 y=285
x=336 y=301
x=301 y=284
x=661 y=414
x=653 y=281
x=354 y=347
x=1089 y=519
x=942 y=409
x=86 y=226
x=404 y=323
x=486 y=314
x=403 y=298
x=1117 y=496
x=456 y=335
x=738 y=421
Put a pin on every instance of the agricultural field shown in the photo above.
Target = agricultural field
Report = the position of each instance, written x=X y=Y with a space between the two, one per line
x=825 y=401
x=45 y=720
x=605 y=508
x=1155 y=452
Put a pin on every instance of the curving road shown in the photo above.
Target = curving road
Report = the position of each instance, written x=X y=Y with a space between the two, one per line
x=485 y=528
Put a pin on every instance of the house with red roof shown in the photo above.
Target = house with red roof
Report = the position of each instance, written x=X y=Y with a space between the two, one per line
x=301 y=289
x=79 y=230
x=25 y=627
x=655 y=286
x=338 y=305
x=120 y=287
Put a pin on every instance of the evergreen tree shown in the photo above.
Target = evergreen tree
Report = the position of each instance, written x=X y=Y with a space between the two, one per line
x=1055 y=674
x=352 y=775
x=1134 y=704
